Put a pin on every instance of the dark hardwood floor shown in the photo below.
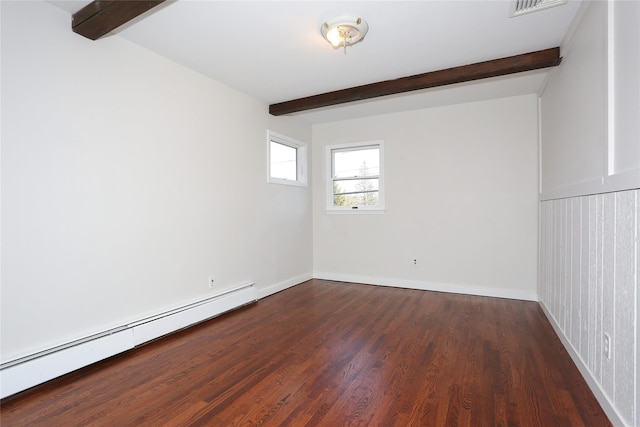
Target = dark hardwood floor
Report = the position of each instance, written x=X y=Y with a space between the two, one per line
x=333 y=354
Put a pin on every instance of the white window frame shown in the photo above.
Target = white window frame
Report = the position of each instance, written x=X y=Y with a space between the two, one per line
x=380 y=207
x=301 y=159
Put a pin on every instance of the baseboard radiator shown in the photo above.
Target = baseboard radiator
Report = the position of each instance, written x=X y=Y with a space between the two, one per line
x=26 y=372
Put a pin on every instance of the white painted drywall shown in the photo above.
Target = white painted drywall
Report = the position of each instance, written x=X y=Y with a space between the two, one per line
x=461 y=198
x=127 y=180
x=590 y=132
x=626 y=85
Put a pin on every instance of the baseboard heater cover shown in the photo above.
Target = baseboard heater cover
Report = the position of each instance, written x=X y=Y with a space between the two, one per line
x=29 y=371
x=156 y=326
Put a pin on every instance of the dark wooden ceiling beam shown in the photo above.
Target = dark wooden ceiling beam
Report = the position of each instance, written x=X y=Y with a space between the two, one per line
x=481 y=70
x=100 y=17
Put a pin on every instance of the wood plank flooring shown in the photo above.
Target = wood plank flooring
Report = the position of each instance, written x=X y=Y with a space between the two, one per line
x=333 y=354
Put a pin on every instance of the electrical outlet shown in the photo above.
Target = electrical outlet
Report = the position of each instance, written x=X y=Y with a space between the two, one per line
x=606 y=344
x=212 y=282
x=415 y=261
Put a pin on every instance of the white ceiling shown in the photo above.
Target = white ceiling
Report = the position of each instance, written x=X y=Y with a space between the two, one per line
x=273 y=50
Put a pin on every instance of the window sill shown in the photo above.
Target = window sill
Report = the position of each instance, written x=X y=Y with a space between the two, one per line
x=286 y=182
x=356 y=211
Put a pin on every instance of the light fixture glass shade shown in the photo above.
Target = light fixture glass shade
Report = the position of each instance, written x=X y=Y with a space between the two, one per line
x=344 y=31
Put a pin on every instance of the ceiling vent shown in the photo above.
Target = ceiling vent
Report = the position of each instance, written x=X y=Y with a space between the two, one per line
x=520 y=7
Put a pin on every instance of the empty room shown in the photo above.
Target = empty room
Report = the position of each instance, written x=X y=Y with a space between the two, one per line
x=322 y=213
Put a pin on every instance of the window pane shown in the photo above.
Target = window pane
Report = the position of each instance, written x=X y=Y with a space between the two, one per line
x=355 y=192
x=283 y=161
x=350 y=163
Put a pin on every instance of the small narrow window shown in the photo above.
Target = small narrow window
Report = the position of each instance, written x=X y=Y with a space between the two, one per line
x=287 y=160
x=355 y=177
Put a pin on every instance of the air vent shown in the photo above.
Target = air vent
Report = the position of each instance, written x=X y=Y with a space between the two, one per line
x=520 y=7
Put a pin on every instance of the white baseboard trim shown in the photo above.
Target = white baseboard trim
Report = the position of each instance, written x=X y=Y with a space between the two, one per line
x=29 y=371
x=265 y=292
x=430 y=286
x=607 y=406
x=26 y=372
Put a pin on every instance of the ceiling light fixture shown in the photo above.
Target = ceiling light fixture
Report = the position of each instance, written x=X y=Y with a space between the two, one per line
x=344 y=31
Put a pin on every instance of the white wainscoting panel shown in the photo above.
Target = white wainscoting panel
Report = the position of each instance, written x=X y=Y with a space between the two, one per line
x=588 y=287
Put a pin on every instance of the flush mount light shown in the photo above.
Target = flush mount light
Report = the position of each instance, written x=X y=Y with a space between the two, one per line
x=344 y=31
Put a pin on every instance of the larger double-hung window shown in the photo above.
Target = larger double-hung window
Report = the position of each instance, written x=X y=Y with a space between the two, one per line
x=355 y=177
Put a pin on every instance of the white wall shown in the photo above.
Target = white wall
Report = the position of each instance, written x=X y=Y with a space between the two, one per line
x=126 y=181
x=591 y=105
x=589 y=225
x=461 y=198
x=624 y=44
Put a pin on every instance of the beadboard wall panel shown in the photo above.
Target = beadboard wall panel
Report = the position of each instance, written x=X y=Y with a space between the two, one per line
x=625 y=272
x=588 y=285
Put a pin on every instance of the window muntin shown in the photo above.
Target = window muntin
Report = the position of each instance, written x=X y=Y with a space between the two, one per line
x=286 y=160
x=355 y=177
